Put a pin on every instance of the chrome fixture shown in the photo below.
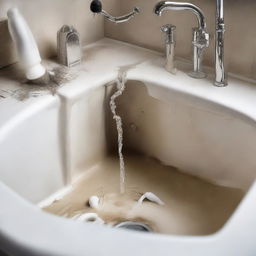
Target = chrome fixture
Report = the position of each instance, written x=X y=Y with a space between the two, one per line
x=200 y=36
x=121 y=19
x=96 y=7
x=220 y=77
x=169 y=31
x=68 y=46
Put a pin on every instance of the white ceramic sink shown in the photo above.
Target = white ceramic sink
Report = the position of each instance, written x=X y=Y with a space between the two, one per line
x=48 y=141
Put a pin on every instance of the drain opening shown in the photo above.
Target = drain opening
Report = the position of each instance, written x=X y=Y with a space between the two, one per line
x=136 y=226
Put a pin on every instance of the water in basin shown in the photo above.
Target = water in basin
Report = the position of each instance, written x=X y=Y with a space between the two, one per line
x=192 y=205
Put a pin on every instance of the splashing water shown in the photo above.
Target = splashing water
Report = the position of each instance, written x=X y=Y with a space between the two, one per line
x=120 y=89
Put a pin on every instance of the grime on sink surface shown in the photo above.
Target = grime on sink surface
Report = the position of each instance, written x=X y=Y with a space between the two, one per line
x=192 y=206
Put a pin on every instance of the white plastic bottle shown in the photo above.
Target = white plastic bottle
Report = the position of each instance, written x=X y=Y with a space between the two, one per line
x=25 y=44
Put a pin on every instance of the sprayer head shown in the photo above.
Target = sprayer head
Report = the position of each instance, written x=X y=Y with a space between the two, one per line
x=96 y=6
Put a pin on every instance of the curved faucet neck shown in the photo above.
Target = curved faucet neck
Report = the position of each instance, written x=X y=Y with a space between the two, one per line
x=179 y=6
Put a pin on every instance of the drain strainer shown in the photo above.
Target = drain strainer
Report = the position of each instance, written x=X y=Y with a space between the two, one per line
x=136 y=226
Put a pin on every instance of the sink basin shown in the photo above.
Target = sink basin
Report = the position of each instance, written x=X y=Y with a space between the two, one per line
x=202 y=135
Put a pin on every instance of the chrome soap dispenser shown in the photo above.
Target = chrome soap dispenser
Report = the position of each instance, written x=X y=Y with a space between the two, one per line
x=69 y=46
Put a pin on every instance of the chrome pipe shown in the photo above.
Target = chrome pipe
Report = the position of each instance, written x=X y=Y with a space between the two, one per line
x=198 y=53
x=120 y=19
x=169 y=31
x=220 y=76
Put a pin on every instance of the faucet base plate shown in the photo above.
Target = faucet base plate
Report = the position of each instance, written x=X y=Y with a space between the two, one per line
x=221 y=84
x=197 y=74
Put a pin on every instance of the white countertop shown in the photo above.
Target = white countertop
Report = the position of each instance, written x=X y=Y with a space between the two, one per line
x=101 y=63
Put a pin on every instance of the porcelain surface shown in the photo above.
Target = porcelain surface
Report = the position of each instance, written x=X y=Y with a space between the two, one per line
x=42 y=135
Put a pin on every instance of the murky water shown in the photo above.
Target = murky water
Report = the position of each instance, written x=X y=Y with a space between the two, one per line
x=192 y=206
x=120 y=89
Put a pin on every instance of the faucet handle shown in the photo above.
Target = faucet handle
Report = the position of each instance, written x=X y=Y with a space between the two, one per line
x=169 y=30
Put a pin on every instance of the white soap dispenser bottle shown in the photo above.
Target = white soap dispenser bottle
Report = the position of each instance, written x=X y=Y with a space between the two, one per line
x=26 y=46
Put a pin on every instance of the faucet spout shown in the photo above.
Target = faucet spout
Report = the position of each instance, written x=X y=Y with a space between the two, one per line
x=179 y=6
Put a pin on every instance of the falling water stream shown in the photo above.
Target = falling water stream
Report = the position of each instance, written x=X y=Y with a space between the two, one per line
x=120 y=84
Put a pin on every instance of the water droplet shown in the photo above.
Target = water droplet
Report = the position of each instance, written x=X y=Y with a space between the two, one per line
x=133 y=127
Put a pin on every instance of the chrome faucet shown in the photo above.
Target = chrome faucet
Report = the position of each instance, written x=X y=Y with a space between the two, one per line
x=169 y=31
x=200 y=36
x=220 y=78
